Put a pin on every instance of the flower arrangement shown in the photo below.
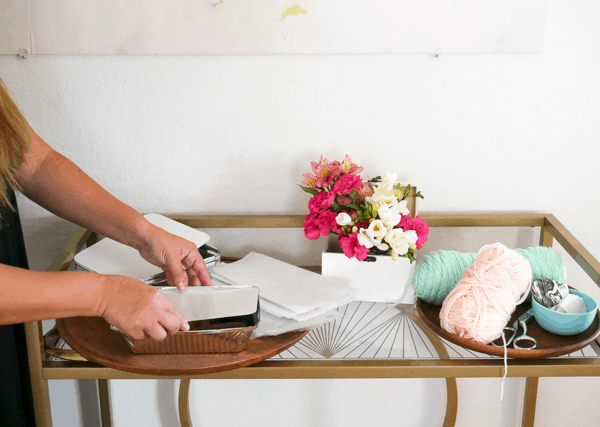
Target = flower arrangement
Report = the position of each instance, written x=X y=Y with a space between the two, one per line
x=369 y=216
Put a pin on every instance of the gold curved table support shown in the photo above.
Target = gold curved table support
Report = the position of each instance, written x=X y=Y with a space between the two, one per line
x=451 y=387
x=66 y=354
x=184 y=403
x=51 y=339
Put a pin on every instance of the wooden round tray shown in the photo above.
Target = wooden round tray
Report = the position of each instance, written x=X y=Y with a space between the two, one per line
x=94 y=340
x=548 y=344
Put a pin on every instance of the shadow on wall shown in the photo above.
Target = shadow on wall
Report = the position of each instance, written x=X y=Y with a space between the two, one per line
x=166 y=392
x=89 y=405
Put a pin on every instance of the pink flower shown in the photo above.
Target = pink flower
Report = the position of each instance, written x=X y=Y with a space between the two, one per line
x=321 y=200
x=365 y=191
x=326 y=222
x=343 y=200
x=405 y=220
x=310 y=228
x=325 y=172
x=350 y=168
x=310 y=180
x=352 y=248
x=346 y=184
x=417 y=224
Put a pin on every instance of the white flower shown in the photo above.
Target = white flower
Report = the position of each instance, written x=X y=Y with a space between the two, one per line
x=389 y=215
x=364 y=239
x=389 y=178
x=381 y=190
x=411 y=236
x=377 y=230
x=383 y=246
x=344 y=219
x=388 y=201
x=399 y=239
x=402 y=208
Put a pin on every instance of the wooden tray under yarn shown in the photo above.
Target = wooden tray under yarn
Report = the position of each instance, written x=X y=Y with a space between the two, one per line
x=548 y=344
x=93 y=338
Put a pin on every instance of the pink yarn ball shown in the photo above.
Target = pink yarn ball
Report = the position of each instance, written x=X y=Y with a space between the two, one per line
x=481 y=304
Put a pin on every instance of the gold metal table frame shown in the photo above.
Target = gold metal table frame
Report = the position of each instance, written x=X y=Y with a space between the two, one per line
x=42 y=354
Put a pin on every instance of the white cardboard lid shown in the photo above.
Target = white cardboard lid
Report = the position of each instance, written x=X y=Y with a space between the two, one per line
x=212 y=302
x=111 y=257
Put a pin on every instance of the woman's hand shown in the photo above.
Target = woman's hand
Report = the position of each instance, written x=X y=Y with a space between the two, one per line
x=138 y=309
x=178 y=257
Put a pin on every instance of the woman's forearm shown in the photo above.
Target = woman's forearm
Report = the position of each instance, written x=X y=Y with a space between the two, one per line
x=33 y=295
x=137 y=309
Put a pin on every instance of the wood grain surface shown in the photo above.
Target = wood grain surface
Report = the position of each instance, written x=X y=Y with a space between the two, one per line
x=548 y=344
x=94 y=340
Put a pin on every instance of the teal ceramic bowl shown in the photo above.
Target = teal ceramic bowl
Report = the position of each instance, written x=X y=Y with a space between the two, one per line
x=566 y=323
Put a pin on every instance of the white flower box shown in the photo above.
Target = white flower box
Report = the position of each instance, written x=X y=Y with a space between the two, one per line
x=383 y=280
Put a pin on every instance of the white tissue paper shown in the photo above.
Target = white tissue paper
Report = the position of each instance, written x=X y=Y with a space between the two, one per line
x=289 y=294
x=571 y=304
x=273 y=325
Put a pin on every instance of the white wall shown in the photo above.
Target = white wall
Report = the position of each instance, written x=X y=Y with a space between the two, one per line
x=233 y=134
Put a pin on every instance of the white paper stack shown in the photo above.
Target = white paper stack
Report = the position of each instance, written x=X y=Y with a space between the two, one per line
x=286 y=291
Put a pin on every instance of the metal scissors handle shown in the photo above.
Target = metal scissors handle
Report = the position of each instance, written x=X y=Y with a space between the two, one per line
x=514 y=339
x=523 y=319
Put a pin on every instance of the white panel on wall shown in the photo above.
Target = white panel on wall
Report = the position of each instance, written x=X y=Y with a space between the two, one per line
x=286 y=26
x=14 y=23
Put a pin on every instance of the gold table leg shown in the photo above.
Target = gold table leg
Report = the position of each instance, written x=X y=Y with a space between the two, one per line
x=531 y=387
x=184 y=403
x=105 y=403
x=39 y=386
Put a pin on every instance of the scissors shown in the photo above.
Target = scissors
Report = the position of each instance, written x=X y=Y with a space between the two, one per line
x=514 y=339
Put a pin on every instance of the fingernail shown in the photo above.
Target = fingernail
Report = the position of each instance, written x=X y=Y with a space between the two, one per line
x=186 y=326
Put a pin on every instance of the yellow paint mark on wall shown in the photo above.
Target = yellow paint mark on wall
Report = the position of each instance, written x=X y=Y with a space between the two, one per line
x=218 y=5
x=292 y=10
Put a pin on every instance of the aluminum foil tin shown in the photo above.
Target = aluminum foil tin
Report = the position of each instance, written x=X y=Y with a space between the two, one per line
x=225 y=335
x=211 y=256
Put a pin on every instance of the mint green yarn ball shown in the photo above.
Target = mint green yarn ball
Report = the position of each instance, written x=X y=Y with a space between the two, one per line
x=436 y=275
x=544 y=262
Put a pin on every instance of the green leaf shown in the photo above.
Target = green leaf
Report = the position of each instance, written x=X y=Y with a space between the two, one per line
x=354 y=194
x=406 y=191
x=335 y=207
x=353 y=206
x=309 y=190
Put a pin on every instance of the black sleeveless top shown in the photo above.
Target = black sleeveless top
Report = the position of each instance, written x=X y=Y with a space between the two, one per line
x=16 y=402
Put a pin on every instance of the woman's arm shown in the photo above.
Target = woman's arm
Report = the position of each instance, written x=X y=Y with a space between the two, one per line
x=56 y=183
x=134 y=307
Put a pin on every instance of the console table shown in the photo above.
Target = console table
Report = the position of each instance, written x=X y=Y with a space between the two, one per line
x=316 y=357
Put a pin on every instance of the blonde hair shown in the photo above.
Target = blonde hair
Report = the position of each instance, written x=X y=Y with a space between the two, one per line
x=15 y=140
